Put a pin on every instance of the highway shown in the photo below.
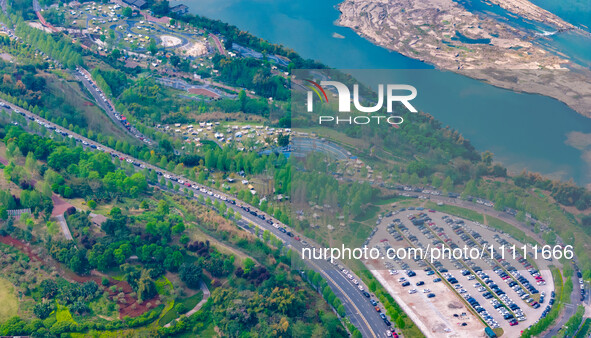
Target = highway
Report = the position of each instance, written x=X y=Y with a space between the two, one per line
x=360 y=312
x=569 y=309
x=358 y=308
x=105 y=104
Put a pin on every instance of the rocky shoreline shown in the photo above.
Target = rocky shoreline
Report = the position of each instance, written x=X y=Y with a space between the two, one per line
x=445 y=34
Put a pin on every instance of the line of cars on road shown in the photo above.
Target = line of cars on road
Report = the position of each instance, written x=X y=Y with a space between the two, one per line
x=391 y=332
x=121 y=118
x=581 y=284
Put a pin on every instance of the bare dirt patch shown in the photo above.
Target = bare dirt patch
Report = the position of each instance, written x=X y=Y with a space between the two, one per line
x=170 y=41
x=204 y=92
x=195 y=49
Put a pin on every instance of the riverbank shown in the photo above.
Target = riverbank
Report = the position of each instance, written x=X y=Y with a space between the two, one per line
x=446 y=35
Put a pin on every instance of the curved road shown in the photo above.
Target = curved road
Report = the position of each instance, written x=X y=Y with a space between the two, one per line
x=358 y=308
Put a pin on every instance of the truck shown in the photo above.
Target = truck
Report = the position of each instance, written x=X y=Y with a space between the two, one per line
x=489 y=332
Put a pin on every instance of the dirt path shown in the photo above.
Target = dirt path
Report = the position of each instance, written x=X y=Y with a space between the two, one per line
x=59 y=205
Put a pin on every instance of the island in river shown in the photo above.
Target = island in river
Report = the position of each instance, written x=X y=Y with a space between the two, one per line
x=446 y=34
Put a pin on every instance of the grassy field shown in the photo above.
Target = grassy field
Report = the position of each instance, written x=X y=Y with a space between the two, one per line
x=457 y=211
x=62 y=314
x=8 y=299
x=163 y=286
x=95 y=118
x=511 y=230
x=189 y=303
x=370 y=212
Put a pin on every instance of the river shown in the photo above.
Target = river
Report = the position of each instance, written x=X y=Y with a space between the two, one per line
x=524 y=131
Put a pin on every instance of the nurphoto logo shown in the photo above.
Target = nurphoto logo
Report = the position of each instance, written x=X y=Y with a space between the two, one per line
x=392 y=94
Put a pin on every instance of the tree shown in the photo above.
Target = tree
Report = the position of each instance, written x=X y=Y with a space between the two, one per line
x=191 y=274
x=43 y=310
x=91 y=204
x=242 y=99
x=49 y=288
x=447 y=184
x=181 y=308
x=146 y=287
x=163 y=208
x=30 y=162
x=128 y=12
x=178 y=228
x=249 y=264
x=175 y=60
x=174 y=261
x=487 y=157
x=152 y=48
x=116 y=54
x=283 y=140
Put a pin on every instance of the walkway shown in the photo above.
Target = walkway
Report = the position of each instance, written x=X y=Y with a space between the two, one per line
x=206 y=295
x=65 y=229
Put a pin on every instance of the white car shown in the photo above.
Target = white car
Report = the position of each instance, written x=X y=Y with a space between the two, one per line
x=426 y=291
x=181 y=182
x=412 y=291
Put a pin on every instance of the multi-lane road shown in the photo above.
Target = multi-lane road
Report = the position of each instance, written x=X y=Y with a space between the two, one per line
x=105 y=104
x=358 y=308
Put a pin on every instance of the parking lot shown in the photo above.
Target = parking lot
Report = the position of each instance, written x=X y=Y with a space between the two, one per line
x=503 y=288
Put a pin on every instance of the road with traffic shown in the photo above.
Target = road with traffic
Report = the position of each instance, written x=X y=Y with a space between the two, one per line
x=358 y=308
x=105 y=104
x=360 y=312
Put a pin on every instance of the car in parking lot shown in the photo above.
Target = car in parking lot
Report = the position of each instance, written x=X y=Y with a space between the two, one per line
x=431 y=295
